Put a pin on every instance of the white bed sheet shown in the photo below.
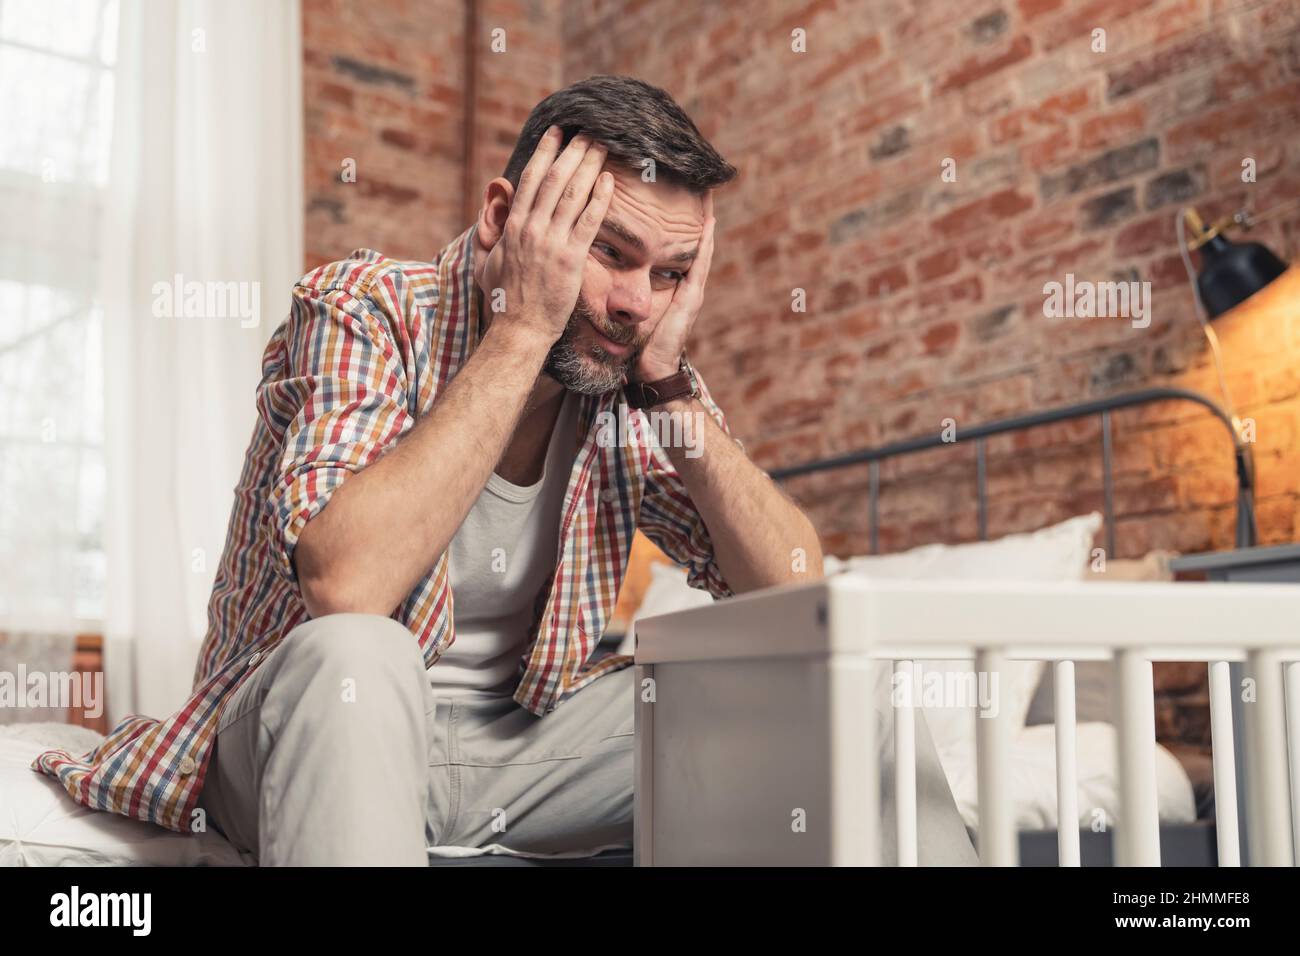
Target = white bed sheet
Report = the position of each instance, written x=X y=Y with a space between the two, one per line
x=40 y=825
x=1032 y=779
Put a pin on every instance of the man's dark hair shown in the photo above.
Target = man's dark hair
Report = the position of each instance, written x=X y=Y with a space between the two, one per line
x=635 y=121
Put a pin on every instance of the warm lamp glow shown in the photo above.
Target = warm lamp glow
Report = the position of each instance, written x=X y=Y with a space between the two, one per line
x=1276 y=306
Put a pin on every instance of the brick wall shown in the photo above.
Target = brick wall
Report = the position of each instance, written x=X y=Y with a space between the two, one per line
x=924 y=297
x=384 y=86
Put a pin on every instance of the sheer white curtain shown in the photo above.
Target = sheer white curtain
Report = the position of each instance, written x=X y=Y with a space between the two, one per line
x=56 y=73
x=202 y=240
x=57 y=63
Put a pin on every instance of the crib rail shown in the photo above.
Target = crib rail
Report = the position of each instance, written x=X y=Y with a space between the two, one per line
x=901 y=623
x=1208 y=627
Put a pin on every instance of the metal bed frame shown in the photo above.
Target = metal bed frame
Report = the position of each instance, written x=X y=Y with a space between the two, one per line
x=1103 y=407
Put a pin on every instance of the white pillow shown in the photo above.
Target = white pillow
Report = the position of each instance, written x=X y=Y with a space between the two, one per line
x=1056 y=553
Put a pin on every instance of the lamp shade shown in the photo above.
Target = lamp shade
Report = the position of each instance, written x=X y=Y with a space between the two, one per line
x=1231 y=272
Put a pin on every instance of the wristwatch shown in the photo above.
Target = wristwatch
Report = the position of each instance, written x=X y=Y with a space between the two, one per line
x=683 y=384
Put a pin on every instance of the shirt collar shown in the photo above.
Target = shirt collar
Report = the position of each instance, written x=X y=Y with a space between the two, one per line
x=458 y=311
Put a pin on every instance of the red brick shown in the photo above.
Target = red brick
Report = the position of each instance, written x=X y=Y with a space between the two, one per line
x=1167 y=62
x=887 y=281
x=1049 y=151
x=969 y=289
x=333 y=93
x=1003 y=204
x=1166 y=271
x=402 y=139
x=1033 y=9
x=886 y=109
x=978 y=67
x=939 y=339
x=1048 y=228
x=842 y=293
x=1051 y=113
x=938 y=264
x=845 y=62
x=1114 y=127
x=1145 y=236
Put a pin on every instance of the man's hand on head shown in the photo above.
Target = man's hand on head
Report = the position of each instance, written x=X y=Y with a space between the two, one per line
x=661 y=355
x=537 y=263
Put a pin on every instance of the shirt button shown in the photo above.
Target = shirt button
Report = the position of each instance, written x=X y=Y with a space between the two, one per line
x=608 y=495
x=257 y=656
x=187 y=767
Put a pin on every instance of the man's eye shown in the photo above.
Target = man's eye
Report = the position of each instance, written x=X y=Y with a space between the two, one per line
x=605 y=249
x=672 y=276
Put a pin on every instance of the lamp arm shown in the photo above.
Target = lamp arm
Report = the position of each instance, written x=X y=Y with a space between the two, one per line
x=1180 y=220
x=1247 y=220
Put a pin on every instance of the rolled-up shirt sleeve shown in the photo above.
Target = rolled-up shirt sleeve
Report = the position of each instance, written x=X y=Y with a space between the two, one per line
x=669 y=517
x=339 y=401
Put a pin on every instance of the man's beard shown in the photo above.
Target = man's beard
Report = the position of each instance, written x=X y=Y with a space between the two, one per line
x=591 y=371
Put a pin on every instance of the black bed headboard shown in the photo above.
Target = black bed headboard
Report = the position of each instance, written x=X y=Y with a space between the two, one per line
x=1246 y=531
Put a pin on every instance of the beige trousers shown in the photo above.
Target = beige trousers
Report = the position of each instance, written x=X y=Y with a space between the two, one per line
x=336 y=751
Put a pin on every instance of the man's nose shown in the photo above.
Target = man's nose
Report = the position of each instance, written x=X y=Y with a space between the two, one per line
x=629 y=298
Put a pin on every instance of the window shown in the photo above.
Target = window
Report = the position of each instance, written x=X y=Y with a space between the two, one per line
x=56 y=73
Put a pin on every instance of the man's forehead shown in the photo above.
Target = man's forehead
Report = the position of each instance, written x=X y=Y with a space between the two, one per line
x=654 y=217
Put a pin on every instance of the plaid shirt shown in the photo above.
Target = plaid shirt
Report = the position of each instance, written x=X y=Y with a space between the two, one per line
x=368 y=346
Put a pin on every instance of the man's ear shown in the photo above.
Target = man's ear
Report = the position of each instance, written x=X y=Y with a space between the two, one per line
x=497 y=197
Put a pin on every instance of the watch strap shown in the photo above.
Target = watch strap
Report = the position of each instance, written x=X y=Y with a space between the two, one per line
x=648 y=394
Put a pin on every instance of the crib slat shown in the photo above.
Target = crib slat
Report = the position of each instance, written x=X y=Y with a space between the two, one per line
x=1067 y=772
x=1291 y=677
x=854 y=784
x=1137 y=840
x=1223 y=747
x=997 y=834
x=905 y=762
x=1268 y=824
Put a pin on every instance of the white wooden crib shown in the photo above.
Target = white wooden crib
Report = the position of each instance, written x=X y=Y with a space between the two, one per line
x=759 y=709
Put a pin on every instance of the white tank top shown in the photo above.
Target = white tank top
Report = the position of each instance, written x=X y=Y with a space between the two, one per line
x=502 y=555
